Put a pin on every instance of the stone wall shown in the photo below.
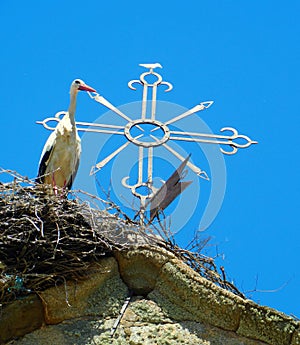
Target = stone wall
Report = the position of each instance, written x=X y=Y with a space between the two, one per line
x=170 y=304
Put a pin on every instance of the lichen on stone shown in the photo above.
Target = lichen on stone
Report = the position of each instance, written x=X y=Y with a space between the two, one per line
x=148 y=311
x=108 y=300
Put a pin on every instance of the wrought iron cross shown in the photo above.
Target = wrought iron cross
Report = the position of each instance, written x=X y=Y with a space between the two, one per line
x=134 y=132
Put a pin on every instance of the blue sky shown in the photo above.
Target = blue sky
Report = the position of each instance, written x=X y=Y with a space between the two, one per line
x=243 y=56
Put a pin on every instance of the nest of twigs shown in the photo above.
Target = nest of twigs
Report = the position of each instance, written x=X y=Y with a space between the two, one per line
x=46 y=239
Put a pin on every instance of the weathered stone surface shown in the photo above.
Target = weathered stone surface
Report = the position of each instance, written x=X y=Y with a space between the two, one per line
x=217 y=336
x=20 y=317
x=143 y=323
x=185 y=295
x=102 y=292
x=139 y=268
x=296 y=337
x=168 y=334
x=72 y=332
x=266 y=324
x=181 y=308
x=50 y=335
x=147 y=311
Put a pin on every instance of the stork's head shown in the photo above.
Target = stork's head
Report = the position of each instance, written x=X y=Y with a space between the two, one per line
x=79 y=85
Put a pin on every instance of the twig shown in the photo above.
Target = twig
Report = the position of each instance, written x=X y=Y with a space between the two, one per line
x=57 y=241
x=42 y=223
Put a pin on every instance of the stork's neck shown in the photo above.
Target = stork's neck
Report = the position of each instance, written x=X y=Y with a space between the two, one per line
x=72 y=106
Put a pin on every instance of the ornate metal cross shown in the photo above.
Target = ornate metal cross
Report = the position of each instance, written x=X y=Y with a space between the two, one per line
x=139 y=132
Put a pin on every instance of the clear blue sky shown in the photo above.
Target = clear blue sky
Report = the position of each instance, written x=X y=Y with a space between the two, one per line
x=243 y=55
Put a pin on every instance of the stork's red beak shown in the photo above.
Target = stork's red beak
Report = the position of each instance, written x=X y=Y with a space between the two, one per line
x=85 y=87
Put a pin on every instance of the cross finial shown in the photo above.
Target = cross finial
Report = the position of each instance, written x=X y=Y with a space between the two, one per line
x=147 y=133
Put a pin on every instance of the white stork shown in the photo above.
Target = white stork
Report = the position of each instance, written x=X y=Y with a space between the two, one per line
x=60 y=157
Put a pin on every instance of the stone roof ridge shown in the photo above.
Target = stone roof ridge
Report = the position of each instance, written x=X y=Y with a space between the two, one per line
x=161 y=276
x=170 y=302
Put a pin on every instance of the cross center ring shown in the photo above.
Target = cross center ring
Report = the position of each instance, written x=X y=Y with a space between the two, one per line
x=140 y=126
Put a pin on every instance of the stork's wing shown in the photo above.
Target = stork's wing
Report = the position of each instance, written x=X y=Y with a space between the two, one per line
x=72 y=178
x=46 y=153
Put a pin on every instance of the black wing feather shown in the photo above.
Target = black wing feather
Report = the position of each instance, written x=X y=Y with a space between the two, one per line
x=42 y=166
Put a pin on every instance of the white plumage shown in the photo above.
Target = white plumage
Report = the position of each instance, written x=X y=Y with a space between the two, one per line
x=60 y=157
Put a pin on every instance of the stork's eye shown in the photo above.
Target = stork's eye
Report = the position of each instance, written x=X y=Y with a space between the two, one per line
x=77 y=82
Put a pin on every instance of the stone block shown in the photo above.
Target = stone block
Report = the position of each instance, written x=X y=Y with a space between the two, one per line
x=139 y=268
x=21 y=317
x=266 y=324
x=101 y=292
x=184 y=295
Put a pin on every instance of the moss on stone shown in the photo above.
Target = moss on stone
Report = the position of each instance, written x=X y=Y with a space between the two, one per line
x=180 y=289
x=168 y=334
x=171 y=309
x=148 y=311
x=266 y=324
x=108 y=300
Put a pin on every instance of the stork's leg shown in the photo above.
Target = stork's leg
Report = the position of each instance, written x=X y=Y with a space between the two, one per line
x=54 y=185
x=64 y=190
